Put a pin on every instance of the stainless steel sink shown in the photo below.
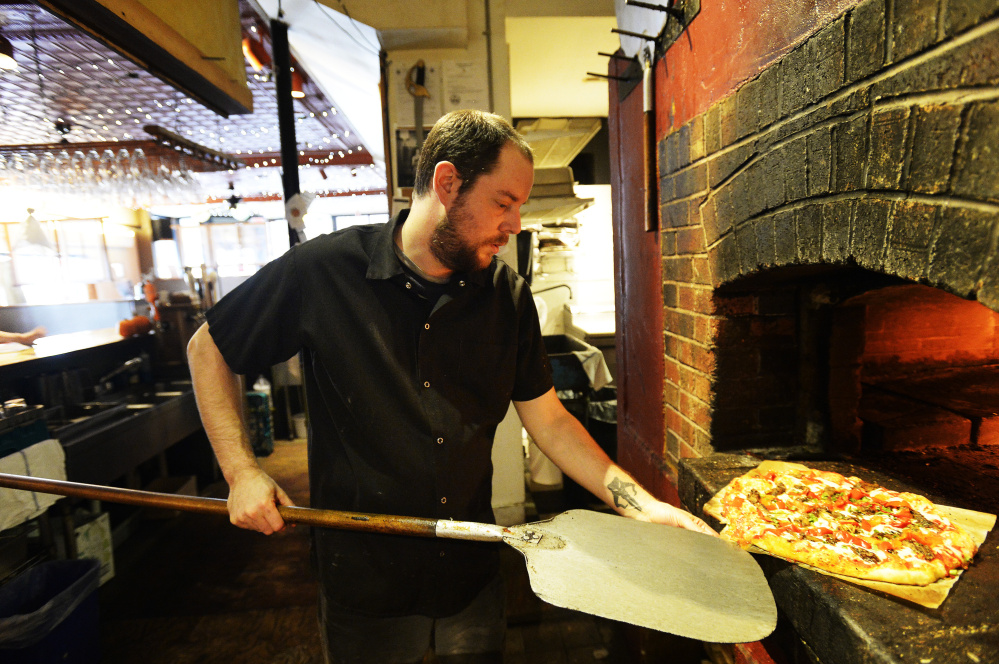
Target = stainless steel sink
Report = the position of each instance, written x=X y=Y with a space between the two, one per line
x=86 y=419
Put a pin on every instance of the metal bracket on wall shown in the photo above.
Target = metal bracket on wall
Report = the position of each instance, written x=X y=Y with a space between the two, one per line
x=680 y=13
x=629 y=79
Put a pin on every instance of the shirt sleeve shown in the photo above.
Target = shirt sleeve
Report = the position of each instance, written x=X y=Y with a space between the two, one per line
x=534 y=372
x=258 y=324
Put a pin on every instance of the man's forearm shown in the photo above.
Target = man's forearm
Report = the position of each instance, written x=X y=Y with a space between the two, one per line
x=220 y=402
x=572 y=449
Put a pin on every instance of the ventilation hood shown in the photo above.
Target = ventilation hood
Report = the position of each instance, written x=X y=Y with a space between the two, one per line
x=556 y=142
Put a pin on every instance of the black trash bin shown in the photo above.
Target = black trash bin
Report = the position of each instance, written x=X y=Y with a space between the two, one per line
x=601 y=423
x=602 y=420
x=49 y=614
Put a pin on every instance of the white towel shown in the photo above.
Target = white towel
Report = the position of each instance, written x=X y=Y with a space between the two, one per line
x=595 y=366
x=45 y=459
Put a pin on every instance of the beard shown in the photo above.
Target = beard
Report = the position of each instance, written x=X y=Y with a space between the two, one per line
x=449 y=245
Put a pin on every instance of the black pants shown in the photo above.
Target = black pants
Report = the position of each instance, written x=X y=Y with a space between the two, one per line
x=474 y=635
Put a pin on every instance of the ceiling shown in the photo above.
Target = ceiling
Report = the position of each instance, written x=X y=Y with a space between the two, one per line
x=70 y=87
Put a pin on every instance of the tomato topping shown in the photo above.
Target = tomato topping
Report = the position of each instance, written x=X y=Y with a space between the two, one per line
x=738 y=502
x=856 y=494
x=856 y=541
x=884 y=545
x=929 y=539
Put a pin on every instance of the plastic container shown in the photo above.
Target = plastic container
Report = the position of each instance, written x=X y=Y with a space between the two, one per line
x=259 y=423
x=49 y=614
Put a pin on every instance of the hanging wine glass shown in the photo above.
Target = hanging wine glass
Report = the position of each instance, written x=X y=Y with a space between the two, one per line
x=123 y=183
x=63 y=169
x=31 y=170
x=92 y=171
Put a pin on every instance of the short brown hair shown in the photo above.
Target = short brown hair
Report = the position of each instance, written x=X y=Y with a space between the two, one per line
x=472 y=141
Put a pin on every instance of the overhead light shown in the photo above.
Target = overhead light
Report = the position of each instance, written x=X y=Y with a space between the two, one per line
x=256 y=54
x=6 y=53
x=297 y=90
x=32 y=233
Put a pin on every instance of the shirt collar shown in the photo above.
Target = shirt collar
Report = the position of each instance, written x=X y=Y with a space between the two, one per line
x=384 y=263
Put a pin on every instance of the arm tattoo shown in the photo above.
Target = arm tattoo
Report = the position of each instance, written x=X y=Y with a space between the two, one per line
x=624 y=494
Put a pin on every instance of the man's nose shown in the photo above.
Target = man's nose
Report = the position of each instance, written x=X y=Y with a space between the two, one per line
x=511 y=223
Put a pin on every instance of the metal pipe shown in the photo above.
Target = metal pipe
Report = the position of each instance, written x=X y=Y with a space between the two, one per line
x=629 y=33
x=617 y=56
x=615 y=78
x=669 y=9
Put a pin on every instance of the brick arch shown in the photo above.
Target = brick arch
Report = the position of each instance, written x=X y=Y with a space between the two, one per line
x=870 y=148
x=922 y=240
x=865 y=147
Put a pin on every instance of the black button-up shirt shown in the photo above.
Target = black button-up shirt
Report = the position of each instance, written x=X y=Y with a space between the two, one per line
x=404 y=397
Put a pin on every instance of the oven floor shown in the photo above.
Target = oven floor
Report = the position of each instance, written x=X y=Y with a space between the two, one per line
x=195 y=589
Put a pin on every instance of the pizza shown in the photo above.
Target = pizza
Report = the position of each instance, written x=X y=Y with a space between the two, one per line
x=842 y=525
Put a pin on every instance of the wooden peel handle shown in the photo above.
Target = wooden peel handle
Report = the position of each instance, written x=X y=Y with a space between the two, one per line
x=380 y=523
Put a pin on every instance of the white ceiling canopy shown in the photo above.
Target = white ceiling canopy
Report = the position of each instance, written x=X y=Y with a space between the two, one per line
x=341 y=56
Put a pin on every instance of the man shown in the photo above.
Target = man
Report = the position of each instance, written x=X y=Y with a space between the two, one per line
x=415 y=340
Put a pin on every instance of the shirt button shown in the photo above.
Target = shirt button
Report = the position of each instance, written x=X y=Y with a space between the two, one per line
x=443 y=500
x=440 y=441
x=409 y=284
x=427 y=326
x=461 y=283
x=427 y=384
x=442 y=554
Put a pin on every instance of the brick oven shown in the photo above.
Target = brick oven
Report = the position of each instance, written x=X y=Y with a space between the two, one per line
x=829 y=268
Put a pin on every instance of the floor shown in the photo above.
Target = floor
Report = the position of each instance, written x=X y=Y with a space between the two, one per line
x=191 y=588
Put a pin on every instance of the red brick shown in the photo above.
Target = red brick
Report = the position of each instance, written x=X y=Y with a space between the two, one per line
x=752 y=653
x=696 y=384
x=734 y=306
x=671 y=393
x=704 y=330
x=686 y=298
x=988 y=433
x=766 y=328
x=702 y=359
x=680 y=268
x=673 y=419
x=687 y=452
x=701 y=271
x=690 y=241
x=702 y=443
x=673 y=371
x=899 y=423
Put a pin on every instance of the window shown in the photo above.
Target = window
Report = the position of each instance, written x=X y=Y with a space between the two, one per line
x=232 y=247
x=66 y=260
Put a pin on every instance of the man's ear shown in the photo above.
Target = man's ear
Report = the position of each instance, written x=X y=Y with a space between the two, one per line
x=446 y=182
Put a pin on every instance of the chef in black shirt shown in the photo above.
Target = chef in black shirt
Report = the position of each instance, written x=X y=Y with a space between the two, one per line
x=415 y=340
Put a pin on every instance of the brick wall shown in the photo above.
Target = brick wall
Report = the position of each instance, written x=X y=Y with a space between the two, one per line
x=872 y=147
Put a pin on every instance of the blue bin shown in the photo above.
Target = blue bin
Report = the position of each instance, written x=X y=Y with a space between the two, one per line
x=49 y=614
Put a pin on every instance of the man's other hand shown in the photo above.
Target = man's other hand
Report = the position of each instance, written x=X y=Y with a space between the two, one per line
x=253 y=500
x=666 y=514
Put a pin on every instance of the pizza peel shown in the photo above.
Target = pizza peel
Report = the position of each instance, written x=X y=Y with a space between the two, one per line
x=646 y=574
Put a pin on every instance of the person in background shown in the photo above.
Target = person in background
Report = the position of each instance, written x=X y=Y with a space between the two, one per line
x=26 y=338
x=415 y=339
